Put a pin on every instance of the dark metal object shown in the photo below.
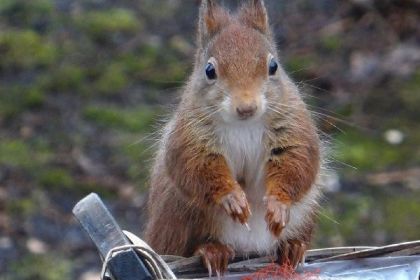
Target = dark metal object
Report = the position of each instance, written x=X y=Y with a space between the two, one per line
x=105 y=233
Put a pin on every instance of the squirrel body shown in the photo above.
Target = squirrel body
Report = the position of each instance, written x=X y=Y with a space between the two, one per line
x=237 y=164
x=244 y=151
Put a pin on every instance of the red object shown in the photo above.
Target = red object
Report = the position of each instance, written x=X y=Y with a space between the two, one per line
x=284 y=271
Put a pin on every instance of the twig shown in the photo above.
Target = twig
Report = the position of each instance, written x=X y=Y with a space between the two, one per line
x=379 y=251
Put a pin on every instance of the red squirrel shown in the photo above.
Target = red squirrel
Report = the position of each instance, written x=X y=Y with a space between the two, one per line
x=236 y=169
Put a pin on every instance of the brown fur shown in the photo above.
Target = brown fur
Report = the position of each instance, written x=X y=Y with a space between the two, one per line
x=191 y=181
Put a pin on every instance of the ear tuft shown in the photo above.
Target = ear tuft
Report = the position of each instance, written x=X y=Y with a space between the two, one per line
x=254 y=14
x=212 y=19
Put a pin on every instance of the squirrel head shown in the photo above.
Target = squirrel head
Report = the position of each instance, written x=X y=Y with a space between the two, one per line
x=236 y=60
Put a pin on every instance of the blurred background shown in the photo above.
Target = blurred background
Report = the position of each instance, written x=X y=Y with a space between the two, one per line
x=84 y=83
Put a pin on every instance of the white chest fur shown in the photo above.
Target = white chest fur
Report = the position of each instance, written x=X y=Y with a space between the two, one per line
x=242 y=146
x=244 y=150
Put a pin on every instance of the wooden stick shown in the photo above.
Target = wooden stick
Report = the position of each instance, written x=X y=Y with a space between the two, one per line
x=315 y=254
x=171 y=258
x=186 y=264
x=405 y=252
x=379 y=251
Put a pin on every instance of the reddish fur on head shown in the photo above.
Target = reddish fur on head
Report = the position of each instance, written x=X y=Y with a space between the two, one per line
x=254 y=15
x=239 y=45
x=212 y=20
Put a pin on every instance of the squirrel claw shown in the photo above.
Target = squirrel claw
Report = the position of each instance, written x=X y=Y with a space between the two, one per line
x=277 y=215
x=292 y=252
x=215 y=257
x=208 y=266
x=236 y=205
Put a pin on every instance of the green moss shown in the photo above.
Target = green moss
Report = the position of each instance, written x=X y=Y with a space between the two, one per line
x=24 y=206
x=103 y=24
x=34 y=98
x=112 y=80
x=14 y=153
x=368 y=152
x=402 y=217
x=17 y=98
x=138 y=156
x=410 y=93
x=21 y=154
x=66 y=77
x=55 y=178
x=135 y=120
x=331 y=43
x=23 y=13
x=350 y=218
x=159 y=10
x=297 y=65
x=25 y=49
x=342 y=225
x=157 y=66
x=327 y=229
x=357 y=209
x=45 y=267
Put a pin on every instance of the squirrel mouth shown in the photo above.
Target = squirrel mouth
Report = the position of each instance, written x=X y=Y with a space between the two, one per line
x=246 y=112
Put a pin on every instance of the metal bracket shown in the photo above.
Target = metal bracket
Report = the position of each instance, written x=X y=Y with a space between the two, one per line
x=105 y=233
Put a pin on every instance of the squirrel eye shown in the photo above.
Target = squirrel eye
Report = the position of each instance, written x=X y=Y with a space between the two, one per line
x=272 y=68
x=210 y=71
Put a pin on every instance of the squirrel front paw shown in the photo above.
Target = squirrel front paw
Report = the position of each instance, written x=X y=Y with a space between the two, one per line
x=277 y=215
x=292 y=252
x=215 y=257
x=236 y=205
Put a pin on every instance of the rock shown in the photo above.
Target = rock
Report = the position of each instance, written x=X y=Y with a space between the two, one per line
x=394 y=136
x=90 y=275
x=36 y=246
x=5 y=243
x=402 y=61
x=363 y=65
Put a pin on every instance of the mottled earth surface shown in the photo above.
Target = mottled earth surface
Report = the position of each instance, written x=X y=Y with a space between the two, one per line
x=86 y=84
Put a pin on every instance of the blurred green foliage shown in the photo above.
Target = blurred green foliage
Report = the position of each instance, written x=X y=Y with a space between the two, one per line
x=331 y=42
x=367 y=152
x=139 y=155
x=112 y=80
x=380 y=213
x=40 y=267
x=410 y=93
x=157 y=66
x=101 y=25
x=401 y=214
x=22 y=13
x=21 y=207
x=18 y=153
x=297 y=65
x=137 y=119
x=67 y=77
x=56 y=178
x=25 y=49
x=15 y=99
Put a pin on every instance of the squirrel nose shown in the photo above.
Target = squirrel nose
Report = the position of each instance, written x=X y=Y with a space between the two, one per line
x=246 y=111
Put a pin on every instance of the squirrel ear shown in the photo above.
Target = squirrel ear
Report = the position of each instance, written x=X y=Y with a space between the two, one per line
x=254 y=14
x=212 y=19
